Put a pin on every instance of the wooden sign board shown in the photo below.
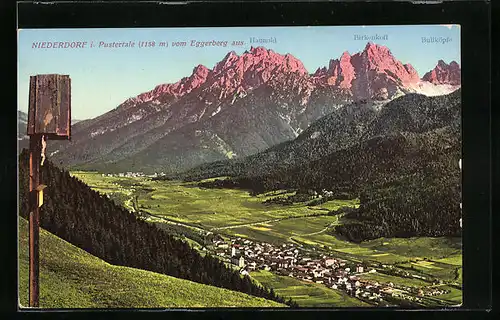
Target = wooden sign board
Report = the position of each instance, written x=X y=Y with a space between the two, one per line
x=39 y=191
x=50 y=106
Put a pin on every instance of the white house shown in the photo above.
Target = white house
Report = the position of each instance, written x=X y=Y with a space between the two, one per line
x=329 y=262
x=239 y=261
x=244 y=272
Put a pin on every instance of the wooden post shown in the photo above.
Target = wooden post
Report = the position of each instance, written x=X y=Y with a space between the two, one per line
x=34 y=219
x=49 y=117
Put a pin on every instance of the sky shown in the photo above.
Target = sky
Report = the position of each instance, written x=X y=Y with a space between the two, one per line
x=102 y=78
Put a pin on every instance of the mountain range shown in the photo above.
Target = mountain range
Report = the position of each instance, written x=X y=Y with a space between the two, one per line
x=245 y=104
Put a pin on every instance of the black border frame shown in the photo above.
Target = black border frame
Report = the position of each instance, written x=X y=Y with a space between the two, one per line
x=474 y=18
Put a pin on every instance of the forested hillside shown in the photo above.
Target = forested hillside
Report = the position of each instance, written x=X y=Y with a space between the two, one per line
x=91 y=221
x=408 y=184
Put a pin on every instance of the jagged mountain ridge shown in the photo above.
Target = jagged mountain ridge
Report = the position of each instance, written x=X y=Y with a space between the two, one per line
x=444 y=73
x=244 y=105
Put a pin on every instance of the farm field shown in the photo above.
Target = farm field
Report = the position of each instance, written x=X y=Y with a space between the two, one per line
x=454 y=260
x=386 y=279
x=455 y=295
x=73 y=278
x=284 y=230
x=435 y=269
x=304 y=293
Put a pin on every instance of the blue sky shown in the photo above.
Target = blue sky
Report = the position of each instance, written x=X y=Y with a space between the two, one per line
x=102 y=78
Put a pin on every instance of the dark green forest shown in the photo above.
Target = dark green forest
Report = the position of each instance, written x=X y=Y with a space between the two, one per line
x=91 y=221
x=408 y=184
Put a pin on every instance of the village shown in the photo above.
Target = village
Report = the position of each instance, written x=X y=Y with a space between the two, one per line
x=292 y=260
x=133 y=175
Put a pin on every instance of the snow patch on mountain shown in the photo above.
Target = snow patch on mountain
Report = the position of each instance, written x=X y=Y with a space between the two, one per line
x=216 y=111
x=430 y=89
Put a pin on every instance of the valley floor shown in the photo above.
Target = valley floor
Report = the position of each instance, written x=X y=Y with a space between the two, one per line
x=418 y=271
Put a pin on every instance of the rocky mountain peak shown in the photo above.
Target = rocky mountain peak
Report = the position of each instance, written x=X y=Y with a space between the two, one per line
x=367 y=73
x=178 y=89
x=444 y=73
x=239 y=73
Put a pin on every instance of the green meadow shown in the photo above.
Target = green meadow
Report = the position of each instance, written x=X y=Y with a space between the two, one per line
x=72 y=278
x=454 y=297
x=435 y=269
x=210 y=208
x=386 y=279
x=453 y=260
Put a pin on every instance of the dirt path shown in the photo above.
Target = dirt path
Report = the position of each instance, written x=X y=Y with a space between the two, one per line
x=268 y=221
x=314 y=233
x=170 y=221
x=248 y=224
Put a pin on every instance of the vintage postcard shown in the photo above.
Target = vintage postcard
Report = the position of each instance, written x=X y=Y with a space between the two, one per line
x=261 y=167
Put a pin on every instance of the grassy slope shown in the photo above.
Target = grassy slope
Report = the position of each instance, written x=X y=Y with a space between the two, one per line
x=72 y=278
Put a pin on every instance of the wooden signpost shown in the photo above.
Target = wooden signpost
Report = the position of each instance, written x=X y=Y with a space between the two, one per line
x=49 y=117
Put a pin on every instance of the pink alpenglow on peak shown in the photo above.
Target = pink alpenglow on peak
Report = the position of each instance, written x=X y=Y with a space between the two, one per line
x=176 y=90
x=340 y=73
x=253 y=68
x=373 y=72
x=380 y=58
x=258 y=58
x=444 y=73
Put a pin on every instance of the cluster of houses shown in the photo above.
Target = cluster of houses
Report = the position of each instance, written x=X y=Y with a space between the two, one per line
x=133 y=175
x=291 y=260
x=432 y=291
